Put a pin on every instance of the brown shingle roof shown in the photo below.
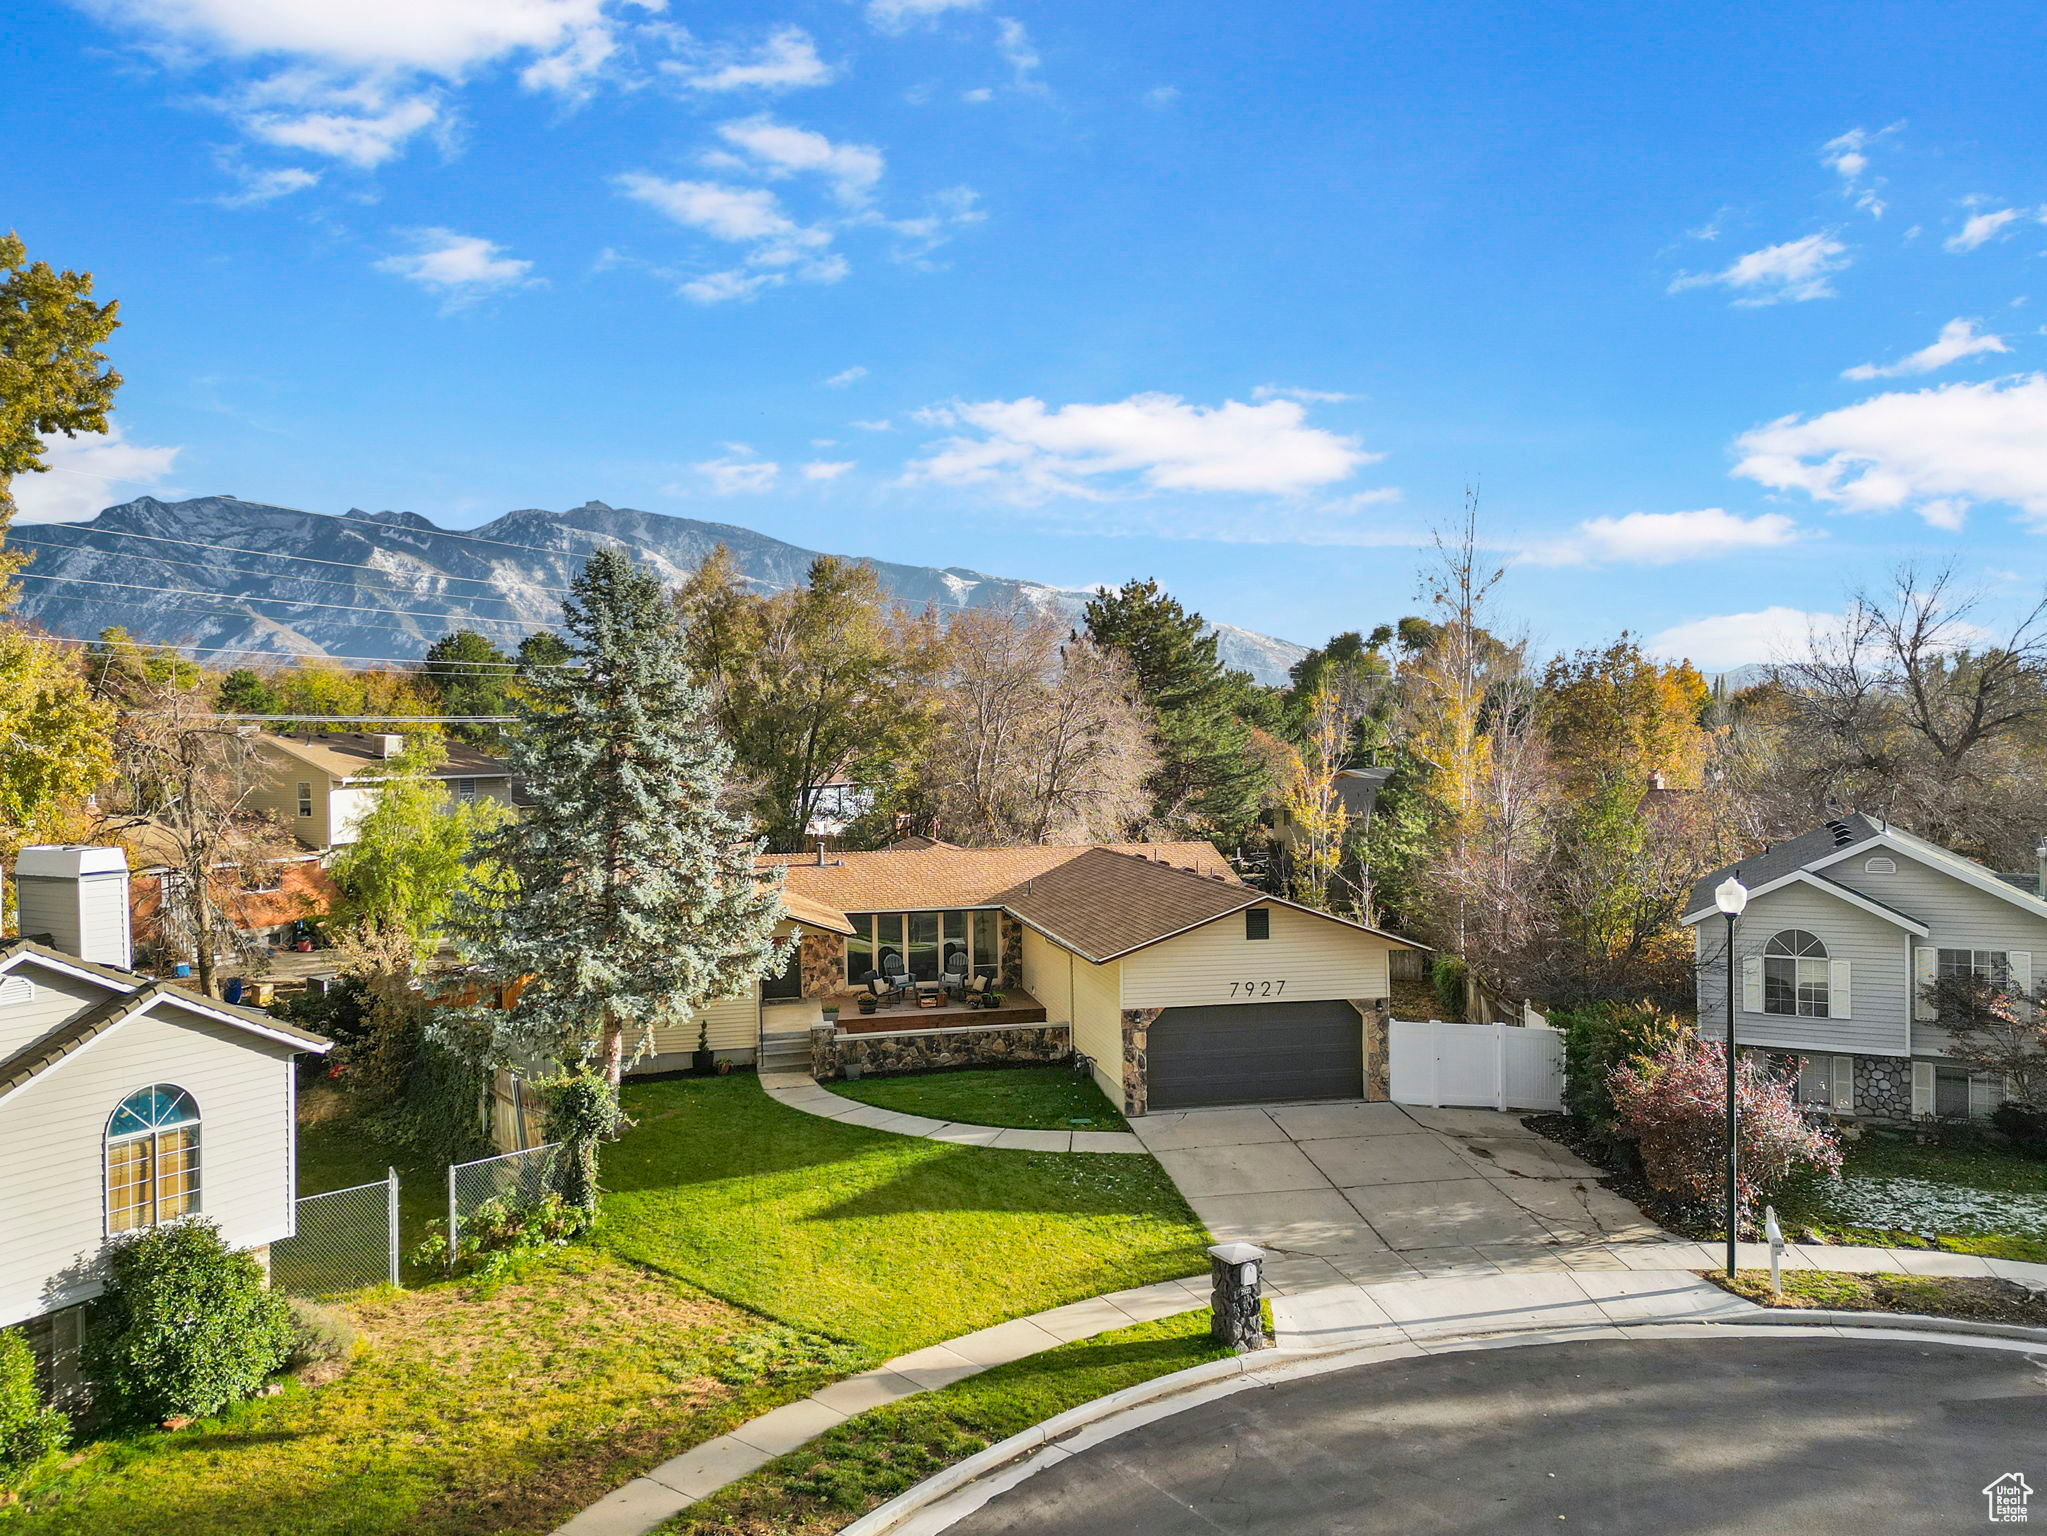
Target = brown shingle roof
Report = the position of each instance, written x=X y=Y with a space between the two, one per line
x=943 y=876
x=1106 y=903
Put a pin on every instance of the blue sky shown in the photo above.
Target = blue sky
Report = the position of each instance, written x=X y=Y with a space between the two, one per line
x=1727 y=308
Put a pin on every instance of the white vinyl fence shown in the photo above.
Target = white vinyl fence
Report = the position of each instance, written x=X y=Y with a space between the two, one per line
x=522 y=1175
x=1491 y=1066
x=344 y=1240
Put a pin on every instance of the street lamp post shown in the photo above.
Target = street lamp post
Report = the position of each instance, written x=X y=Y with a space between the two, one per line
x=1730 y=897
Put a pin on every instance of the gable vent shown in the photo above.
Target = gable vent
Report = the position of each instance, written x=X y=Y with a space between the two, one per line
x=1843 y=833
x=15 y=991
x=1881 y=867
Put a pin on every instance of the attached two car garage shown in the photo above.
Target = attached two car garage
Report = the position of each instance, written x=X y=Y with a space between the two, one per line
x=1255 y=1053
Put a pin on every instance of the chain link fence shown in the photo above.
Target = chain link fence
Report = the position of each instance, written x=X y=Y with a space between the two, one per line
x=524 y=1176
x=345 y=1240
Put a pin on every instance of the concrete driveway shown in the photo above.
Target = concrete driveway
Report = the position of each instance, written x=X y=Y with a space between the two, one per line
x=1368 y=1192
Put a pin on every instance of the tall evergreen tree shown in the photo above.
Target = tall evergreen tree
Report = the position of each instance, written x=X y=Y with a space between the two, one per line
x=470 y=676
x=1209 y=780
x=629 y=896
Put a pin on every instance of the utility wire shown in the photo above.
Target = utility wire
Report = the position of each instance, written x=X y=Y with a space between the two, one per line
x=403 y=613
x=283 y=656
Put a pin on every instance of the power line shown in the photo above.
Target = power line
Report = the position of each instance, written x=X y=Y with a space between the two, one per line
x=284 y=656
x=403 y=613
x=359 y=719
x=237 y=549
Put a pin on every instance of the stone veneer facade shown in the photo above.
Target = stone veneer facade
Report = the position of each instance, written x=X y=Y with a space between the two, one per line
x=1883 y=1088
x=1136 y=1047
x=1011 y=963
x=928 y=1050
x=1377 y=1011
x=821 y=962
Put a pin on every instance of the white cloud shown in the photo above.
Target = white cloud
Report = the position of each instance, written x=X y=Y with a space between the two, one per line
x=363 y=123
x=1937 y=451
x=726 y=213
x=459 y=267
x=883 y=425
x=1665 y=538
x=1958 y=339
x=826 y=470
x=1016 y=48
x=87 y=473
x=1152 y=442
x=786 y=60
x=1796 y=271
x=1848 y=157
x=1981 y=228
x=267 y=186
x=845 y=376
x=778 y=149
x=1159 y=97
x=1729 y=640
x=740 y=472
x=441 y=37
x=894 y=15
x=1307 y=396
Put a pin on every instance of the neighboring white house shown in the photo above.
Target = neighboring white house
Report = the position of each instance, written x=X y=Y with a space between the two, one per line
x=1846 y=927
x=322 y=784
x=125 y=1101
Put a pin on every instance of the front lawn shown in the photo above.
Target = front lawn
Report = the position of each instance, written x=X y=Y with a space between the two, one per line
x=889 y=1242
x=872 y=1457
x=1031 y=1098
x=1974 y=1198
x=1985 y=1301
x=471 y=1411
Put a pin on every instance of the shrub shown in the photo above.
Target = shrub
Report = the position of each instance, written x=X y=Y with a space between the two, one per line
x=1601 y=1038
x=582 y=1114
x=2025 y=1125
x=318 y=1334
x=1673 y=1107
x=504 y=1229
x=1447 y=977
x=187 y=1325
x=29 y=1430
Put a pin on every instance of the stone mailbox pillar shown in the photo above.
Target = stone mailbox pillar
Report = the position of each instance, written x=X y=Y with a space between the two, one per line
x=824 y=1052
x=1236 y=1275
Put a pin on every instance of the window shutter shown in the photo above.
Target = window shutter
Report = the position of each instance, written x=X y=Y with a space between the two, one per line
x=1752 y=984
x=1924 y=959
x=1922 y=1088
x=1837 y=989
x=2019 y=964
x=1844 y=1085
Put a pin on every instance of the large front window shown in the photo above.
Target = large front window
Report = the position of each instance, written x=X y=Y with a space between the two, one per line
x=922 y=945
x=1795 y=975
x=152 y=1158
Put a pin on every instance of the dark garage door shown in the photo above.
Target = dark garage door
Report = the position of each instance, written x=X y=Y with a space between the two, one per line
x=1256 y=1053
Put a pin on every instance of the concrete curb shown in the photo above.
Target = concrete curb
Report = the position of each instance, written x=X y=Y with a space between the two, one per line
x=951 y=1495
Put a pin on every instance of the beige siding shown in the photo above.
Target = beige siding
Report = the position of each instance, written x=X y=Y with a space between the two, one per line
x=54 y=1128
x=278 y=795
x=1098 y=1021
x=1048 y=976
x=735 y=1026
x=1874 y=948
x=58 y=997
x=1307 y=959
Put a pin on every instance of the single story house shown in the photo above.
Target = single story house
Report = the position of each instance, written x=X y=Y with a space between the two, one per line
x=1847 y=928
x=265 y=900
x=125 y=1101
x=320 y=785
x=1182 y=985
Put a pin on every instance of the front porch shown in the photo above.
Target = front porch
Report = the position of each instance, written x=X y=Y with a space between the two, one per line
x=904 y=1013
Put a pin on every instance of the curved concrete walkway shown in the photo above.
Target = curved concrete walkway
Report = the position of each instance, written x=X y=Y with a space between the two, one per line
x=1576 y=1293
x=797 y=1090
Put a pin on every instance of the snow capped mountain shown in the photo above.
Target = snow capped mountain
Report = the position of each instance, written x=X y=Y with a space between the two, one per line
x=204 y=572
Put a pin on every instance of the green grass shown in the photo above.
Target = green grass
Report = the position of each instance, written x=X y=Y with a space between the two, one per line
x=470 y=1411
x=876 y=1455
x=889 y=1242
x=1973 y=1165
x=335 y=1151
x=1032 y=1098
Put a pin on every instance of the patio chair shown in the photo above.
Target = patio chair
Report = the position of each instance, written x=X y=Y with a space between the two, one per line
x=955 y=977
x=881 y=988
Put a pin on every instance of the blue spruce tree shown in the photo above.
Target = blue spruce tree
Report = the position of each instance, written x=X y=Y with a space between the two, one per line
x=624 y=896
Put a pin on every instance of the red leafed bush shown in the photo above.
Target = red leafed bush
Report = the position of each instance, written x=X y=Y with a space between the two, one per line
x=1674 y=1107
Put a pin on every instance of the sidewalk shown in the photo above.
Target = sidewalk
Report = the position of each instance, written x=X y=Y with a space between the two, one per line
x=796 y=1090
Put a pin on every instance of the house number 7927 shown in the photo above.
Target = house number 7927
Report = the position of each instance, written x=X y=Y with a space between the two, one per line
x=1257 y=988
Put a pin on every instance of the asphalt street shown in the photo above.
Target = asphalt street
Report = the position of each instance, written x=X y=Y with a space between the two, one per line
x=1857 y=1436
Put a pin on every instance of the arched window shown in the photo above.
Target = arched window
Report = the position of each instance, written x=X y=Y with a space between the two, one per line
x=152 y=1158
x=1795 y=975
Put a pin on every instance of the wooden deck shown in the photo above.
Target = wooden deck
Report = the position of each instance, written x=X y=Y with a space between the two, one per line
x=1018 y=1007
